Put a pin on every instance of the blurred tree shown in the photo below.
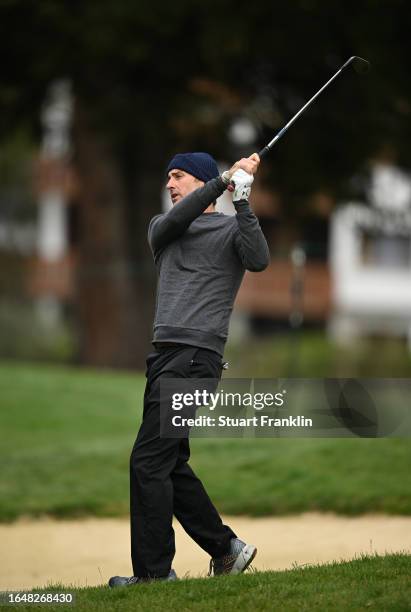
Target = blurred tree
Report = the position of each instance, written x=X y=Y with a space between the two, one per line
x=172 y=76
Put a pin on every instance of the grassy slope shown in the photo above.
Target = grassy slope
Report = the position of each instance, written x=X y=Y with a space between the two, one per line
x=376 y=583
x=66 y=436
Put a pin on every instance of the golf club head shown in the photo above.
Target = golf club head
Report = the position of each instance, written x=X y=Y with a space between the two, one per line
x=360 y=65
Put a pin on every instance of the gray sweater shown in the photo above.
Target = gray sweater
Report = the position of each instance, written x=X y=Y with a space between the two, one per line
x=201 y=259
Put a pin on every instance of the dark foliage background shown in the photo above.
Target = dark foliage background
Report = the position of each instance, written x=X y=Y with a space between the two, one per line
x=153 y=79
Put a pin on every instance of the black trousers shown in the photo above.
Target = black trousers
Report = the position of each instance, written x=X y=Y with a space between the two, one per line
x=161 y=481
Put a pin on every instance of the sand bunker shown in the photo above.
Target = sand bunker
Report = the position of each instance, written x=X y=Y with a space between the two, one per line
x=87 y=552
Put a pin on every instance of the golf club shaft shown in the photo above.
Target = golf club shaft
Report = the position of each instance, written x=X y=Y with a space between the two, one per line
x=359 y=64
x=265 y=150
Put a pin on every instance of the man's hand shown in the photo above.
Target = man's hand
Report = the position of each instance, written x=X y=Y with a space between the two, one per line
x=248 y=164
x=242 y=181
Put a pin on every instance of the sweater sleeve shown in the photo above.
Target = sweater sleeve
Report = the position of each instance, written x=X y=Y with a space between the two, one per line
x=169 y=226
x=249 y=240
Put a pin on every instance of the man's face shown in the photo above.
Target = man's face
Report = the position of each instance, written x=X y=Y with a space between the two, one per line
x=180 y=184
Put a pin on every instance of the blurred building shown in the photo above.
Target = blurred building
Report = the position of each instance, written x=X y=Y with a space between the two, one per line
x=37 y=252
x=371 y=259
x=51 y=267
x=295 y=289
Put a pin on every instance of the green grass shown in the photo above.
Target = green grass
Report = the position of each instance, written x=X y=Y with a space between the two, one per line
x=367 y=583
x=271 y=476
x=311 y=354
x=66 y=436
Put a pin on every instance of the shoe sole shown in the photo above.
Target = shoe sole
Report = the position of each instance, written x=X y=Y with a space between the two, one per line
x=244 y=559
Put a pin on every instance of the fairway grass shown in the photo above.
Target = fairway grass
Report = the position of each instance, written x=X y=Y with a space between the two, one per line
x=376 y=583
x=67 y=435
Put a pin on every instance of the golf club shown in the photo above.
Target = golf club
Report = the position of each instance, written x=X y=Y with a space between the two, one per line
x=359 y=64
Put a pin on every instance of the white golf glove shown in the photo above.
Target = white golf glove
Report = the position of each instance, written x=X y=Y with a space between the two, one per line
x=243 y=182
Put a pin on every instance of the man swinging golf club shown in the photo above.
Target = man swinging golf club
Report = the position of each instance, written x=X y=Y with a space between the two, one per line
x=201 y=256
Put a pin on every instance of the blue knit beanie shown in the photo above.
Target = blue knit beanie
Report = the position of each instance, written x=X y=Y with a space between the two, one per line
x=200 y=165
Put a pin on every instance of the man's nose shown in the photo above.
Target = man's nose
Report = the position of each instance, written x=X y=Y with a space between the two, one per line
x=169 y=184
